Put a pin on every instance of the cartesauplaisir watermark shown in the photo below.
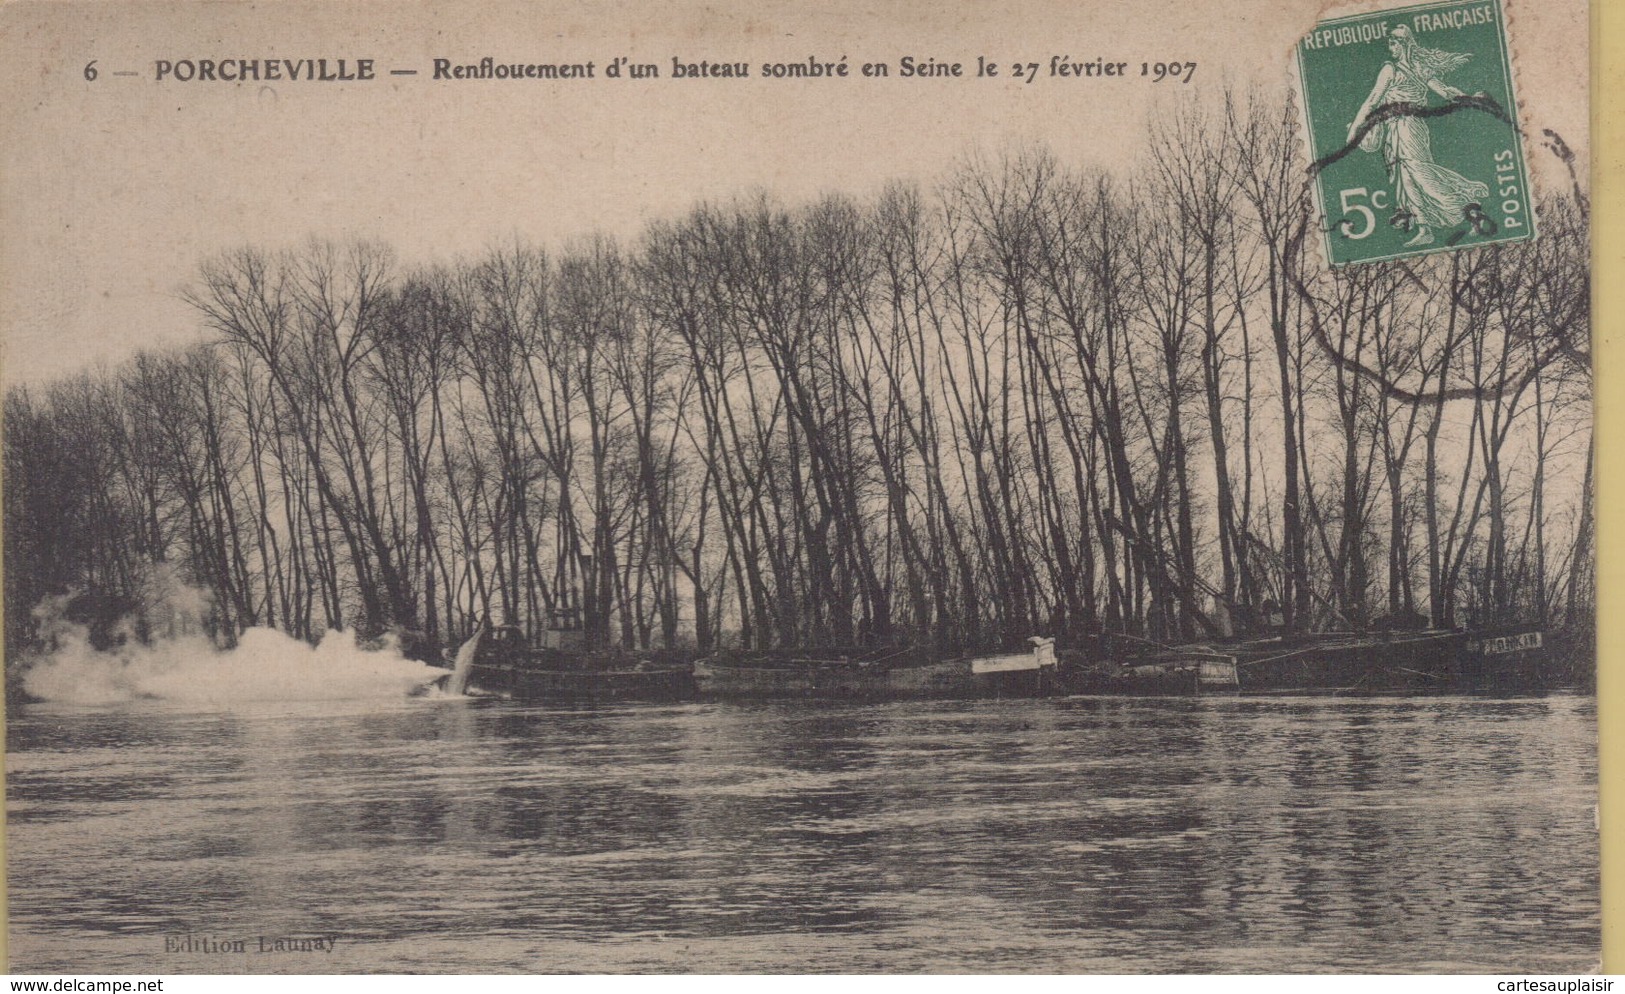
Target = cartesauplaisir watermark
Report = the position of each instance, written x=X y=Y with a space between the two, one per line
x=1413 y=129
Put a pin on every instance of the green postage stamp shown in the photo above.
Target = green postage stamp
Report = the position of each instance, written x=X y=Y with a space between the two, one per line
x=1413 y=127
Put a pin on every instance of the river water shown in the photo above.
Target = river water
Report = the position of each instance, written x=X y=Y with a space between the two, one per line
x=1072 y=835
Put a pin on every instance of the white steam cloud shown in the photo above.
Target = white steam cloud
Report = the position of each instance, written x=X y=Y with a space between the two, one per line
x=181 y=664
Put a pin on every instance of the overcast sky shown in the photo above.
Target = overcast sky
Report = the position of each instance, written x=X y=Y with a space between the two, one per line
x=113 y=190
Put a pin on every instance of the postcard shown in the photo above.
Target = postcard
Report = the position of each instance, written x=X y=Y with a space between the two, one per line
x=754 y=487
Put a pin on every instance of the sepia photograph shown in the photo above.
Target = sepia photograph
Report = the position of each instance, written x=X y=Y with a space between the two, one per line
x=577 y=487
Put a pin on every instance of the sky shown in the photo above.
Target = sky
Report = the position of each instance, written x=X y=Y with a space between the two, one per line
x=114 y=190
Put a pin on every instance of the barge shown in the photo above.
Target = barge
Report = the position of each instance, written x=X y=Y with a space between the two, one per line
x=499 y=663
x=882 y=674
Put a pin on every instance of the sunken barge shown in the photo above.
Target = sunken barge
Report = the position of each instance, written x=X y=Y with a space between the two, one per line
x=882 y=674
x=498 y=662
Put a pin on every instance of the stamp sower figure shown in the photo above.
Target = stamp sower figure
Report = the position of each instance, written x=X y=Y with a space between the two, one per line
x=1427 y=194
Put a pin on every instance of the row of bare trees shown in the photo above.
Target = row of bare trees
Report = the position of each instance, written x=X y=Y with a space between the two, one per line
x=1032 y=399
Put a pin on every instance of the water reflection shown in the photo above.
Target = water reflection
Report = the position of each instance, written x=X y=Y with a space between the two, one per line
x=1071 y=835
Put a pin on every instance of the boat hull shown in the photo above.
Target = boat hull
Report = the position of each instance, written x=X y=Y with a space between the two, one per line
x=827 y=682
x=1171 y=674
x=1402 y=662
x=899 y=677
x=1511 y=661
x=1497 y=661
x=499 y=663
x=1179 y=677
x=532 y=683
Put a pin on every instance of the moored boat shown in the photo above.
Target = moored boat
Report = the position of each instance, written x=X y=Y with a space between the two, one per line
x=1031 y=673
x=1152 y=669
x=1197 y=670
x=1510 y=659
x=1347 y=662
x=1448 y=661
